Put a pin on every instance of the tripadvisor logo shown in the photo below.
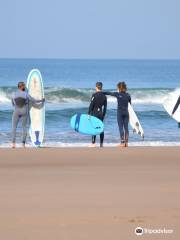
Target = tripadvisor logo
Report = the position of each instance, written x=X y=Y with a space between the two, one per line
x=139 y=231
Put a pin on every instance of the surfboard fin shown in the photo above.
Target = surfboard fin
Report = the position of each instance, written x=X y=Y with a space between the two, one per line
x=137 y=124
x=77 y=123
x=37 y=142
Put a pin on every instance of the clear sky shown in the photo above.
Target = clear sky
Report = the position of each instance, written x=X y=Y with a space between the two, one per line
x=122 y=29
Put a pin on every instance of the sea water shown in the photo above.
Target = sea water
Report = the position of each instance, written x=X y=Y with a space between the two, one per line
x=69 y=85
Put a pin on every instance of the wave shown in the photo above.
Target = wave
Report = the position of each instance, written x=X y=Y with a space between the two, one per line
x=73 y=96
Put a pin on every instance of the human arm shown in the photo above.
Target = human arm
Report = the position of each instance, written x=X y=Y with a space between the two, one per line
x=176 y=106
x=33 y=100
x=91 y=106
x=113 y=94
x=12 y=100
x=105 y=107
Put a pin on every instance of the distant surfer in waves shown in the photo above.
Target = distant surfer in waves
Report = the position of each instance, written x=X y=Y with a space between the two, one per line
x=97 y=108
x=123 y=98
x=20 y=101
x=175 y=108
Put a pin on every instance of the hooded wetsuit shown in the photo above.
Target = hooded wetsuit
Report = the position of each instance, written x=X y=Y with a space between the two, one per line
x=98 y=108
x=20 y=100
x=123 y=99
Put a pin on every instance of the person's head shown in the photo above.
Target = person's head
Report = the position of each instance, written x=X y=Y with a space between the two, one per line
x=99 y=86
x=22 y=86
x=121 y=86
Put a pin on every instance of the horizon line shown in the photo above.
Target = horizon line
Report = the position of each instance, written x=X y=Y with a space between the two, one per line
x=101 y=59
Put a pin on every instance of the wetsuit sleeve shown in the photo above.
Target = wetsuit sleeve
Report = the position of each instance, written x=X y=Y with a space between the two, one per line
x=129 y=99
x=12 y=100
x=33 y=100
x=176 y=106
x=91 y=106
x=113 y=94
x=105 y=107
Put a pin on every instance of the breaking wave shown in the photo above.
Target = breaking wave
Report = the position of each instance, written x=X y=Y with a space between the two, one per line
x=74 y=96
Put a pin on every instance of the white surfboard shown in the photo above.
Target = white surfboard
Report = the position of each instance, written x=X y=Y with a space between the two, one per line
x=170 y=103
x=36 y=111
x=134 y=122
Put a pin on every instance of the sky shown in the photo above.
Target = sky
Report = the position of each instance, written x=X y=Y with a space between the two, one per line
x=105 y=29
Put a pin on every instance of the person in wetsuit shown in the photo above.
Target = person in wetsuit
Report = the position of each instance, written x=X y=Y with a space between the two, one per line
x=97 y=108
x=20 y=101
x=176 y=107
x=123 y=98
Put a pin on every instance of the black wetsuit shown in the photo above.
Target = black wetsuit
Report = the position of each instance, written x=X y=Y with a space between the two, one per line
x=123 y=99
x=98 y=108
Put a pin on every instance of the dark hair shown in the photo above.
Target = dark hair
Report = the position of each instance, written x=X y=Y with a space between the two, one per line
x=20 y=84
x=122 y=86
x=99 y=85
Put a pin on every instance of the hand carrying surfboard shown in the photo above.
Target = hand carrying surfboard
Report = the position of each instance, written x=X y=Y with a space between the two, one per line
x=86 y=125
x=36 y=111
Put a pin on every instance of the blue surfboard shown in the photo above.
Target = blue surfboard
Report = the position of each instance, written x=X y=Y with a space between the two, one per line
x=84 y=125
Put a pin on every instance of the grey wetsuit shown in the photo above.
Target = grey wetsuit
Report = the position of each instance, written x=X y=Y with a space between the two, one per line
x=20 y=100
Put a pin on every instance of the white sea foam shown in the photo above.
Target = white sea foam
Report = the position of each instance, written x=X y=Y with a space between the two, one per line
x=81 y=97
x=4 y=98
x=85 y=145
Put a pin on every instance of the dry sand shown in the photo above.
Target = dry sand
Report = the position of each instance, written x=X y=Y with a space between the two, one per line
x=89 y=194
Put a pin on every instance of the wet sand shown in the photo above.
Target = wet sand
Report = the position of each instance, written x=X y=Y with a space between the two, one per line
x=89 y=194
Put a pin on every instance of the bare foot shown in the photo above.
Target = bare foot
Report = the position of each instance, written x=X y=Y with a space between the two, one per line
x=13 y=145
x=122 y=145
x=126 y=144
x=23 y=145
x=92 y=145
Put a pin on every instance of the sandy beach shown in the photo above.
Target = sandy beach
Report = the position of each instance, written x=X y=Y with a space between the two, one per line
x=83 y=194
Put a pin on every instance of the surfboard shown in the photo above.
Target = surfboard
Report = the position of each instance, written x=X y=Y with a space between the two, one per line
x=84 y=125
x=169 y=104
x=134 y=121
x=36 y=111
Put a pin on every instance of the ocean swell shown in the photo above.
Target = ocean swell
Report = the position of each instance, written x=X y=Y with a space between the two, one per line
x=75 y=96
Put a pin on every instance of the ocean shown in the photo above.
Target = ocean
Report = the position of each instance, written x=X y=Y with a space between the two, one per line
x=69 y=85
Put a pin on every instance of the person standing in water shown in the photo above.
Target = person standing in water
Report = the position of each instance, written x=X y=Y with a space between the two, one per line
x=97 y=108
x=20 y=101
x=123 y=98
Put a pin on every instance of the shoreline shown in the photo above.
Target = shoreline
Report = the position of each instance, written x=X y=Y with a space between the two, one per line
x=60 y=145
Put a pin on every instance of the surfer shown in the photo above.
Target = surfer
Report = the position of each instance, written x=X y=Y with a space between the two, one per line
x=123 y=98
x=97 y=108
x=20 y=100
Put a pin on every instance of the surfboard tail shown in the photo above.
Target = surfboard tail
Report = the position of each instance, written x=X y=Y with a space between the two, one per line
x=37 y=142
